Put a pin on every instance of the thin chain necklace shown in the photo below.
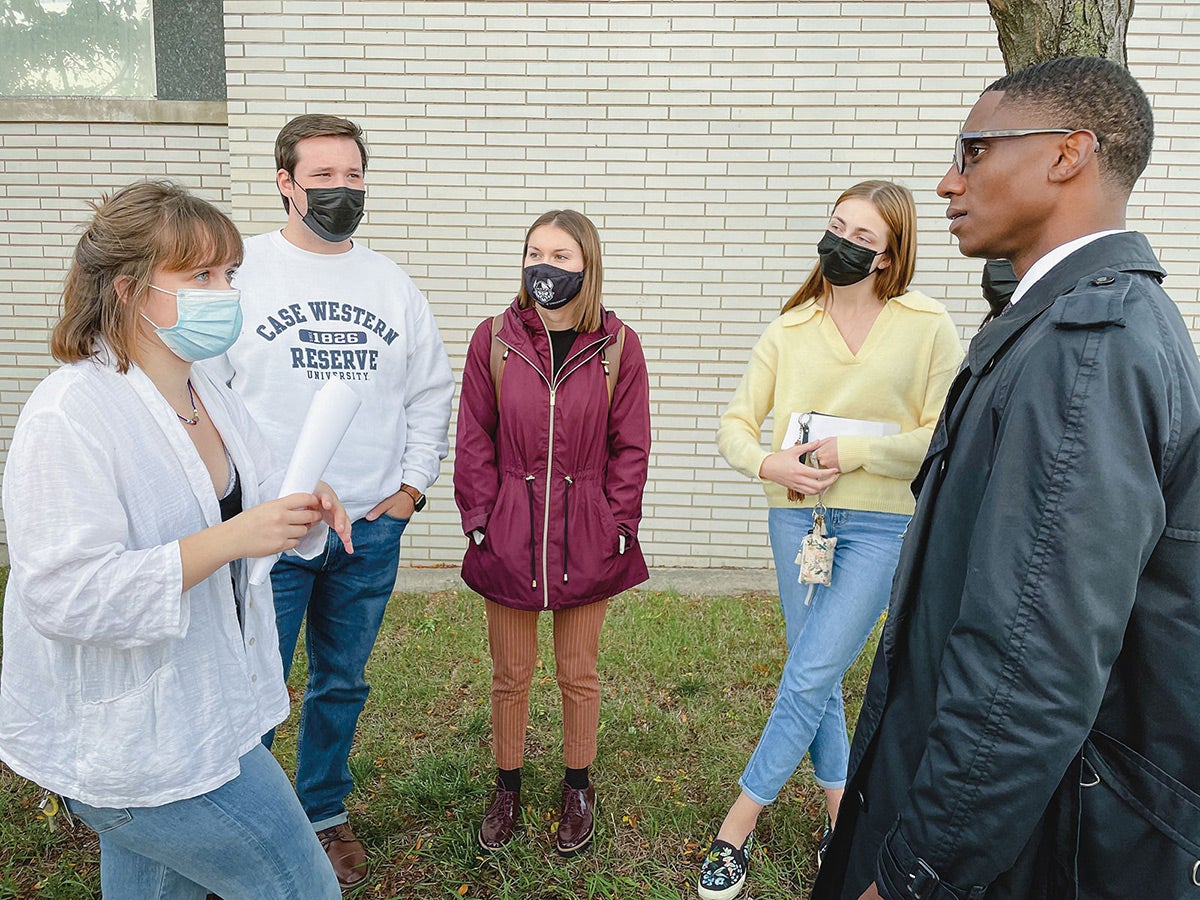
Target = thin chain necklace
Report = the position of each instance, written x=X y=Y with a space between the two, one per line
x=195 y=419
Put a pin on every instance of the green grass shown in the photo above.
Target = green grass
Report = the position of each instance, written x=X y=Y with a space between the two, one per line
x=687 y=683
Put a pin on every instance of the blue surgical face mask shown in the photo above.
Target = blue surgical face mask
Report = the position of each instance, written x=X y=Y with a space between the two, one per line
x=208 y=324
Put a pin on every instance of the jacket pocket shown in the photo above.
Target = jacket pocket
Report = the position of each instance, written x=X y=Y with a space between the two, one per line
x=142 y=741
x=504 y=566
x=1139 y=828
x=610 y=532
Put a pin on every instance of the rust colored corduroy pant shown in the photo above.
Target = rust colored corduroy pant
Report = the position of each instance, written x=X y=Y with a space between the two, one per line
x=512 y=638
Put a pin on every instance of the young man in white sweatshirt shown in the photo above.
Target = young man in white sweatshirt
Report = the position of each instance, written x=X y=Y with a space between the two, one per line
x=316 y=306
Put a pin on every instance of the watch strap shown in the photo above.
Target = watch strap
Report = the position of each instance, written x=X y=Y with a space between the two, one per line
x=418 y=497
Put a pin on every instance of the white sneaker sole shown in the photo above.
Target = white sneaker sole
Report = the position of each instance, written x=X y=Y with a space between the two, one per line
x=727 y=894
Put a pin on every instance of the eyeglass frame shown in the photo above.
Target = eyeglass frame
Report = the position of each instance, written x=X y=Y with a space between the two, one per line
x=960 y=146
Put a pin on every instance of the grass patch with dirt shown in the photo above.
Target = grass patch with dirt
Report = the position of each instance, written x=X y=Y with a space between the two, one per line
x=687 y=684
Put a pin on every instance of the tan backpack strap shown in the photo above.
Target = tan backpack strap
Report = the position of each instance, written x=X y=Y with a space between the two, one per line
x=498 y=356
x=612 y=368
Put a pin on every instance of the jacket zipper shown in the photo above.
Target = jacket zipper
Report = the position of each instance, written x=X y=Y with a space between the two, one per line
x=552 y=384
x=566 y=518
x=532 y=525
x=546 y=513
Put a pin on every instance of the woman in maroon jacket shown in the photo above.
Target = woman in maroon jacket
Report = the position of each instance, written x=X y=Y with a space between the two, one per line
x=550 y=464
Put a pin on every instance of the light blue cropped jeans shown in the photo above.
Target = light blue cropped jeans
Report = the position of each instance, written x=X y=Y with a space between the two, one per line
x=824 y=637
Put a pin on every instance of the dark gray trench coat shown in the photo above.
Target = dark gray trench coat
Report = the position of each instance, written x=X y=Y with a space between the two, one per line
x=1032 y=722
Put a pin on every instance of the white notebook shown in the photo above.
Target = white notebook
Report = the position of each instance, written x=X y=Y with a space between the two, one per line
x=820 y=426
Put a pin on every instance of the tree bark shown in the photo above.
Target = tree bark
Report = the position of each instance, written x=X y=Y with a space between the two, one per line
x=1033 y=31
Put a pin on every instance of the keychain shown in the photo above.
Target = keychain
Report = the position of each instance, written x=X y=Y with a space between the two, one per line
x=51 y=807
x=816 y=554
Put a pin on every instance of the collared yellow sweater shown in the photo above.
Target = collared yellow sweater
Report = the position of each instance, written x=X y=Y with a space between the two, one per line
x=900 y=374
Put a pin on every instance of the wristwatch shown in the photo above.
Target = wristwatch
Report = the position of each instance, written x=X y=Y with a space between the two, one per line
x=418 y=497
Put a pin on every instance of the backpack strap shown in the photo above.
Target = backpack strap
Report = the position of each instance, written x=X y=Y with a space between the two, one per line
x=612 y=370
x=499 y=356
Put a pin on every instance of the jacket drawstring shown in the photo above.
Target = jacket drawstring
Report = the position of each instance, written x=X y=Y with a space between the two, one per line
x=532 y=525
x=566 y=518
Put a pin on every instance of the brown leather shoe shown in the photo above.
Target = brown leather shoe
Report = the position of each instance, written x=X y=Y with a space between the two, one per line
x=577 y=824
x=346 y=853
x=500 y=820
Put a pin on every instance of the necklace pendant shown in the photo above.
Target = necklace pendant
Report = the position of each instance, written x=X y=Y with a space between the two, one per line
x=195 y=419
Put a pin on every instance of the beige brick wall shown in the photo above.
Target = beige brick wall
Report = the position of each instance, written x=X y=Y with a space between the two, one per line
x=705 y=139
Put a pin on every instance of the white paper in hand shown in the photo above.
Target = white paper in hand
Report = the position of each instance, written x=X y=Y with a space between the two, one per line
x=821 y=426
x=329 y=415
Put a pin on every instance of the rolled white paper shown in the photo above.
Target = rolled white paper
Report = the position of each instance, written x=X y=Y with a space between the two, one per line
x=329 y=415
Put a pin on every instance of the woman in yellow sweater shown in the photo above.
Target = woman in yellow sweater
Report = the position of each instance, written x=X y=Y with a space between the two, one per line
x=852 y=342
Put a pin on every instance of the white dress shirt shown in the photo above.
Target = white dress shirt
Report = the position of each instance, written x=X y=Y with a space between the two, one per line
x=1052 y=259
x=118 y=687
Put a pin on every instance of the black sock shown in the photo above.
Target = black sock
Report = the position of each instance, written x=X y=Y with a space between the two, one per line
x=577 y=779
x=510 y=778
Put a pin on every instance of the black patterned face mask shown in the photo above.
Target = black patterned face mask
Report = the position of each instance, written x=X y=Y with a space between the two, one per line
x=550 y=286
x=844 y=262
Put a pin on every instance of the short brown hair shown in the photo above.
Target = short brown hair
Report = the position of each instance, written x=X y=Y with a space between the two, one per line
x=136 y=230
x=894 y=203
x=579 y=227
x=313 y=125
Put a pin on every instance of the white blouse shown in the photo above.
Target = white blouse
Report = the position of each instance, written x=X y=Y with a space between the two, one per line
x=119 y=688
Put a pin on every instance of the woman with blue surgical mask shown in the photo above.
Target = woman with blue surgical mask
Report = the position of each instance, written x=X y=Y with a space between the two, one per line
x=141 y=668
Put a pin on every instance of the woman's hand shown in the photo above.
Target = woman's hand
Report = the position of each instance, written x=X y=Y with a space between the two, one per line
x=271 y=527
x=785 y=468
x=334 y=513
x=277 y=525
x=826 y=453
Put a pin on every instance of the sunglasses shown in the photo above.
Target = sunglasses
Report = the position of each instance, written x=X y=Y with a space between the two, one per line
x=960 y=146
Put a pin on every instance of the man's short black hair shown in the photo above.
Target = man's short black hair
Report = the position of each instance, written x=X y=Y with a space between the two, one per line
x=1095 y=94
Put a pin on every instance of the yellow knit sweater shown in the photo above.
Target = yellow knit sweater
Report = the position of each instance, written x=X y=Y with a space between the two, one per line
x=900 y=374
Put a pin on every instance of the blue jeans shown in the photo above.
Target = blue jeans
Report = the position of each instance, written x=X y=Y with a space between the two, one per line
x=824 y=638
x=344 y=597
x=246 y=840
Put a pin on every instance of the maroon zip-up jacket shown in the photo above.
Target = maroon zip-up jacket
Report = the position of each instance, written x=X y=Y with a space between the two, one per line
x=555 y=477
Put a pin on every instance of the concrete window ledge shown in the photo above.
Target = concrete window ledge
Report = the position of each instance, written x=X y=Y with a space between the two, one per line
x=105 y=109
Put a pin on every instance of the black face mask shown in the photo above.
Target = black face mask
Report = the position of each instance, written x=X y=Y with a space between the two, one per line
x=998 y=283
x=333 y=213
x=844 y=262
x=550 y=286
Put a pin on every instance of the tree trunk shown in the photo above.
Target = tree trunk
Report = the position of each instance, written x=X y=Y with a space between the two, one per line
x=1033 y=31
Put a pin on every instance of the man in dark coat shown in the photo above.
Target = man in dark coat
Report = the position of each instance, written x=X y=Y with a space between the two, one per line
x=1030 y=726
